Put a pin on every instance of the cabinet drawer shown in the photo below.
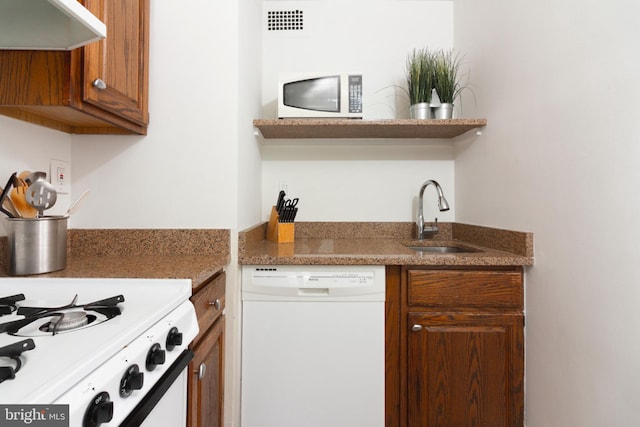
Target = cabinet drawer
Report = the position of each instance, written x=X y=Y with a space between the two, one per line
x=469 y=288
x=209 y=304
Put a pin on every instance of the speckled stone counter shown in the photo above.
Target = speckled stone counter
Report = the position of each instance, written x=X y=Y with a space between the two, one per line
x=349 y=243
x=166 y=253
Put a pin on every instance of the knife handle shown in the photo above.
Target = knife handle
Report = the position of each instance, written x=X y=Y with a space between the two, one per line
x=280 y=202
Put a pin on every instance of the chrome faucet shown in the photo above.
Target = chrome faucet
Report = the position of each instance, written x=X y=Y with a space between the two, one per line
x=442 y=205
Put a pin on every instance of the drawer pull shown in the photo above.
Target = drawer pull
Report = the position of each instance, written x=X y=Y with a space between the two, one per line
x=215 y=304
x=99 y=84
x=416 y=328
x=201 y=371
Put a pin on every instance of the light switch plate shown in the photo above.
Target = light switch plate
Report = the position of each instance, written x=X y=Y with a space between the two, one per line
x=59 y=176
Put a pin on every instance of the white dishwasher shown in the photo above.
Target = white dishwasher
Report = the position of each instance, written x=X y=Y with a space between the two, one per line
x=313 y=346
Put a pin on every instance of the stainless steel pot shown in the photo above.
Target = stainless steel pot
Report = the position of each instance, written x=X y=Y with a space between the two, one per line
x=36 y=245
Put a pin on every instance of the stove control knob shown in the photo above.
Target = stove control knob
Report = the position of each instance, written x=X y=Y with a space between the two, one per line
x=174 y=338
x=132 y=380
x=155 y=357
x=99 y=411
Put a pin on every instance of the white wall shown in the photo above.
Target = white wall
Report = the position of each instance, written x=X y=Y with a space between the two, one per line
x=182 y=174
x=25 y=147
x=338 y=180
x=249 y=108
x=359 y=183
x=559 y=157
x=249 y=172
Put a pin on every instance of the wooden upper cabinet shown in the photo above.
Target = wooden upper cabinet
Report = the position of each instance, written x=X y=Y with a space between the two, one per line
x=120 y=61
x=101 y=88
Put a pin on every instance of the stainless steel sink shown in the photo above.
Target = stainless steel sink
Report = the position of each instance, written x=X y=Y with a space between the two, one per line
x=442 y=249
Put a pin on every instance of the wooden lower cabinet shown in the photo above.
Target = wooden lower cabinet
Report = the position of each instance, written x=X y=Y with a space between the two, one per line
x=464 y=370
x=206 y=381
x=461 y=347
x=205 y=388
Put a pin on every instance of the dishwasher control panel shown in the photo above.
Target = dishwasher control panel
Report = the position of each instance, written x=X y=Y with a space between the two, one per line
x=314 y=281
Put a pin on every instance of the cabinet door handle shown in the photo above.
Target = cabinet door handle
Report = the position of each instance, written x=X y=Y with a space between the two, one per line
x=416 y=328
x=99 y=84
x=201 y=371
x=215 y=304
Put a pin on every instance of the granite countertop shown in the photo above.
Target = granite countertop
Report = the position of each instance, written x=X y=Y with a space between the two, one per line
x=198 y=268
x=155 y=254
x=353 y=243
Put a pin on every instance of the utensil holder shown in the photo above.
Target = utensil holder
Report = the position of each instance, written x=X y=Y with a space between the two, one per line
x=279 y=232
x=36 y=245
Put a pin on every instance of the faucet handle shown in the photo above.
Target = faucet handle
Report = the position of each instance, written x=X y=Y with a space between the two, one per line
x=433 y=229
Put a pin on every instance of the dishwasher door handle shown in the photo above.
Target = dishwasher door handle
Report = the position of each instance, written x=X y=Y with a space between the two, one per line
x=313 y=292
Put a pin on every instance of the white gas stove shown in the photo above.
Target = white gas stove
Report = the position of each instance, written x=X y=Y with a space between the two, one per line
x=111 y=349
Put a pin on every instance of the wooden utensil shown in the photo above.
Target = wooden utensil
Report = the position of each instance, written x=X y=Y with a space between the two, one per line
x=18 y=197
x=23 y=175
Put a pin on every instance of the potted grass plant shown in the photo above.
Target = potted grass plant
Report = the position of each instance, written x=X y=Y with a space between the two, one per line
x=420 y=75
x=446 y=67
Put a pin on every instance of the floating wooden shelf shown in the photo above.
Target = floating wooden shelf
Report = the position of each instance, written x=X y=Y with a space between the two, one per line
x=355 y=128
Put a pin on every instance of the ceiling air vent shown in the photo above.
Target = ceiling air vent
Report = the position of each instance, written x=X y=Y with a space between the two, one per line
x=285 y=20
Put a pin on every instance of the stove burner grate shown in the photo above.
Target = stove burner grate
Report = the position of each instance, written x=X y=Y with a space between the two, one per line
x=63 y=317
x=13 y=352
x=8 y=304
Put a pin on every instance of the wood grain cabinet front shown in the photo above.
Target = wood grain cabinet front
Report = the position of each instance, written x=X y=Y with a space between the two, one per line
x=100 y=88
x=461 y=358
x=464 y=370
x=206 y=378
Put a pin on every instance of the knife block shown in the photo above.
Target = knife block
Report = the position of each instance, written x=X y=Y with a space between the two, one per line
x=279 y=232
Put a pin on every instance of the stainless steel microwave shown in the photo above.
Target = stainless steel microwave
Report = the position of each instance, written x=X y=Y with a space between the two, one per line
x=320 y=95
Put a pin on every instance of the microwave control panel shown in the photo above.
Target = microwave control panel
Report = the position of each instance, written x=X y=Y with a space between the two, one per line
x=355 y=93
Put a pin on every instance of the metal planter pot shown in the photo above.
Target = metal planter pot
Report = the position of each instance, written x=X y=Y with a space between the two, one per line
x=420 y=111
x=444 y=111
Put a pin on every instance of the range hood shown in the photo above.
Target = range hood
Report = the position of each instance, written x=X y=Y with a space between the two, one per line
x=47 y=25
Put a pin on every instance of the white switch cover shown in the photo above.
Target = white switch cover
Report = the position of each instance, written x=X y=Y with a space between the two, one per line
x=59 y=176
